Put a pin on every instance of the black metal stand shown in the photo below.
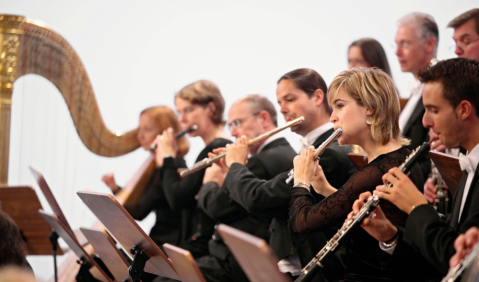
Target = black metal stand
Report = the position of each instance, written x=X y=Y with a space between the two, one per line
x=84 y=274
x=54 y=241
x=136 y=269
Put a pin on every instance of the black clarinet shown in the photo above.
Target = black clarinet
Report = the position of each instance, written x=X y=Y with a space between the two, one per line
x=348 y=228
x=177 y=135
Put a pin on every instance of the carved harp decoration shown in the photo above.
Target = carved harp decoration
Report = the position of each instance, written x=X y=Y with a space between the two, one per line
x=27 y=47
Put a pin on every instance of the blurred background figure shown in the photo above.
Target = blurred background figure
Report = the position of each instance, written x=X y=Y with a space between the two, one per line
x=15 y=274
x=368 y=52
x=12 y=250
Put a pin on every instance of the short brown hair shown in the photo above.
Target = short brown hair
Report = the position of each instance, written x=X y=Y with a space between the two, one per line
x=373 y=89
x=202 y=92
x=164 y=117
x=11 y=244
x=260 y=103
x=308 y=80
x=464 y=17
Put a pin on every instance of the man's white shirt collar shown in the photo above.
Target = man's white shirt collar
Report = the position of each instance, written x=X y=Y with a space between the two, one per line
x=309 y=139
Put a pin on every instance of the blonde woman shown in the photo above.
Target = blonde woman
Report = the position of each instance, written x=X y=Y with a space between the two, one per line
x=366 y=106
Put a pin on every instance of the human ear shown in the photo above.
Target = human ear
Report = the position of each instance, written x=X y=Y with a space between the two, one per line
x=318 y=97
x=464 y=110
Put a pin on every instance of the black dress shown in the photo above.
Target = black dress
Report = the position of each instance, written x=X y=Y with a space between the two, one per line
x=196 y=227
x=167 y=224
x=307 y=215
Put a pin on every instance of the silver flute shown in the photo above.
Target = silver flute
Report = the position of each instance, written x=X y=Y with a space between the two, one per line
x=317 y=263
x=177 y=135
x=318 y=152
x=456 y=271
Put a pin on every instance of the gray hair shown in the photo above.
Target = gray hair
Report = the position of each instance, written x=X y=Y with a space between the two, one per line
x=423 y=23
x=260 y=103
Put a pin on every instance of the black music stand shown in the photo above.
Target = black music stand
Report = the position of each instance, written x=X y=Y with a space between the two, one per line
x=125 y=230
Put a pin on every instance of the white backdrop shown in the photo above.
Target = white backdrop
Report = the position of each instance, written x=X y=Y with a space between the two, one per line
x=139 y=53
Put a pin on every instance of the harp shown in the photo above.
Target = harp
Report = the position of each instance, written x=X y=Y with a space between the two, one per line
x=30 y=48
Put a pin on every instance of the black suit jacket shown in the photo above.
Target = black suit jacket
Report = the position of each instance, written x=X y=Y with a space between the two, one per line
x=425 y=233
x=271 y=198
x=417 y=133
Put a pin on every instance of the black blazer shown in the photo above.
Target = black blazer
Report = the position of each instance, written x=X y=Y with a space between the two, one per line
x=417 y=133
x=425 y=233
x=271 y=198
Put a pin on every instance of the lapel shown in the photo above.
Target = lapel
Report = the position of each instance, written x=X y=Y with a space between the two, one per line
x=322 y=138
x=276 y=143
x=456 y=207
x=417 y=113
x=467 y=204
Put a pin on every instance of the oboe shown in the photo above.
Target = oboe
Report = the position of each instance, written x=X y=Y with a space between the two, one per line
x=177 y=135
x=207 y=161
x=441 y=203
x=313 y=267
x=318 y=152
x=456 y=271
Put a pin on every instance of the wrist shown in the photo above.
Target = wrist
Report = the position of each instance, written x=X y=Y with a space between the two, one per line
x=302 y=184
x=416 y=205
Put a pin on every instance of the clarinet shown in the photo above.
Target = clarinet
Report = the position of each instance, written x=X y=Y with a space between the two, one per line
x=318 y=262
x=177 y=135
x=457 y=271
x=318 y=152
x=441 y=203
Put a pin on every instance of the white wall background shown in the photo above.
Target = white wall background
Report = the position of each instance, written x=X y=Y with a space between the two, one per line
x=139 y=53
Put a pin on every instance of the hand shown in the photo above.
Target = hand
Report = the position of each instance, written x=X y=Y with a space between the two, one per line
x=304 y=166
x=403 y=194
x=430 y=191
x=158 y=155
x=109 y=180
x=237 y=153
x=377 y=225
x=216 y=174
x=167 y=143
x=320 y=183
x=464 y=244
x=436 y=144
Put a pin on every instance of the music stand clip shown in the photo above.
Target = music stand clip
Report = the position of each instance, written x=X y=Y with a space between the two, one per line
x=137 y=267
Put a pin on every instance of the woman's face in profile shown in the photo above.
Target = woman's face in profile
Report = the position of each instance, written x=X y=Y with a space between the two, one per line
x=351 y=116
x=356 y=59
x=147 y=131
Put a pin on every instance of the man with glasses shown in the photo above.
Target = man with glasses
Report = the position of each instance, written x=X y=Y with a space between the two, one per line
x=466 y=34
x=416 y=39
x=250 y=116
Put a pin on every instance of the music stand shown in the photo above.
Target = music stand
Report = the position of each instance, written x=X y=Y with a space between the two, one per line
x=86 y=260
x=358 y=159
x=129 y=234
x=109 y=254
x=22 y=204
x=449 y=168
x=253 y=254
x=184 y=263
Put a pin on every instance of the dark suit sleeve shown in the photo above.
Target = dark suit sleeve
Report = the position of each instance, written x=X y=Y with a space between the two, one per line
x=257 y=167
x=432 y=237
x=259 y=197
x=217 y=205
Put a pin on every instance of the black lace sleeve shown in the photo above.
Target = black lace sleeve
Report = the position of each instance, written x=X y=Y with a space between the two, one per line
x=308 y=215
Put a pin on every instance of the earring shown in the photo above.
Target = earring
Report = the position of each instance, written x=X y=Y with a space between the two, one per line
x=369 y=120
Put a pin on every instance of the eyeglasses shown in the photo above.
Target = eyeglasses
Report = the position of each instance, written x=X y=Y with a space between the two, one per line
x=462 y=45
x=403 y=44
x=236 y=123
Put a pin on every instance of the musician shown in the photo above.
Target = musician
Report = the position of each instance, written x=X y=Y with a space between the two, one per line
x=153 y=121
x=199 y=103
x=366 y=53
x=250 y=117
x=466 y=34
x=416 y=39
x=450 y=97
x=12 y=250
x=301 y=92
x=366 y=106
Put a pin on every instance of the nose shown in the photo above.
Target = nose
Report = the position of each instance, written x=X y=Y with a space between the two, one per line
x=458 y=51
x=426 y=121
x=333 y=118
x=398 y=51
x=283 y=109
x=234 y=132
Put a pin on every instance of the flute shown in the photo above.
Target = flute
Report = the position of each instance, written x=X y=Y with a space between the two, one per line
x=207 y=161
x=313 y=267
x=457 y=271
x=177 y=135
x=318 y=152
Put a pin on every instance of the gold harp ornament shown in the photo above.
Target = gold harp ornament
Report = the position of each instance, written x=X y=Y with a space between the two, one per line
x=30 y=48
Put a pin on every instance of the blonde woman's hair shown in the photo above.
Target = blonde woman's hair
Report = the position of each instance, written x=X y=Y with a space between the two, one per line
x=164 y=117
x=373 y=89
x=202 y=92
